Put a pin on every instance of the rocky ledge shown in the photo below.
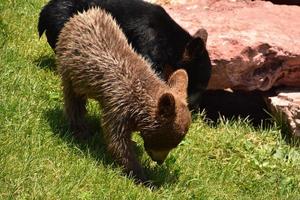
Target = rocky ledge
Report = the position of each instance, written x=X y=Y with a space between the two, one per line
x=254 y=45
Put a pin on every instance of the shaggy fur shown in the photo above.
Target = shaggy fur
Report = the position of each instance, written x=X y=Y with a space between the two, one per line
x=150 y=30
x=96 y=61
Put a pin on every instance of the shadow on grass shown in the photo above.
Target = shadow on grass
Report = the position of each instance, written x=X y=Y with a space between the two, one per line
x=3 y=33
x=96 y=146
x=234 y=105
x=285 y=130
x=46 y=62
x=220 y=104
x=163 y=175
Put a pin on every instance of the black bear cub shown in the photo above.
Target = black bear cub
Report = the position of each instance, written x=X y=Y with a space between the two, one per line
x=150 y=30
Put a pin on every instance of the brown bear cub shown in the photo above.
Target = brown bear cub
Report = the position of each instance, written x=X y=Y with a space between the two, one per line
x=96 y=61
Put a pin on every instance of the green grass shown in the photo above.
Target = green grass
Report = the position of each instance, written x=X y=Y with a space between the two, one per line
x=39 y=160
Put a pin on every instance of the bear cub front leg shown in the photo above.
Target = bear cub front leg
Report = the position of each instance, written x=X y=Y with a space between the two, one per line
x=120 y=146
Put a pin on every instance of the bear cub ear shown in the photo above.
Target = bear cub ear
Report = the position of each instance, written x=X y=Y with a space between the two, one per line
x=179 y=82
x=196 y=45
x=166 y=106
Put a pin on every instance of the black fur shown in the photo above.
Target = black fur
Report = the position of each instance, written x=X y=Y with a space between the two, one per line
x=150 y=30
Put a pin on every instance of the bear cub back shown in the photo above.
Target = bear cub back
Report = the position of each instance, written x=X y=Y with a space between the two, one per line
x=95 y=61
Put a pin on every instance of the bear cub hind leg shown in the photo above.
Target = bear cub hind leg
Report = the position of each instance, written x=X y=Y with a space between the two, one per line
x=75 y=110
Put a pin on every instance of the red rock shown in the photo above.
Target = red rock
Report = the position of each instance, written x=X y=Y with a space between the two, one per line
x=253 y=45
x=286 y=104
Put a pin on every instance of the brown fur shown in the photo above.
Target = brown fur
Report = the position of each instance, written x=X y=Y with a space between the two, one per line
x=95 y=61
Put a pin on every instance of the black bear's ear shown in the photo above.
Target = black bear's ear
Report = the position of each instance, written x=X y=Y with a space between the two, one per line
x=201 y=33
x=166 y=106
x=193 y=48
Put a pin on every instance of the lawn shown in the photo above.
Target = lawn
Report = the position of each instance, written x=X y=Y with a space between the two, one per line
x=40 y=160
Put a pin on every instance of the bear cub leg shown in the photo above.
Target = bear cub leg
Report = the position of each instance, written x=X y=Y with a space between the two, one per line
x=75 y=110
x=120 y=147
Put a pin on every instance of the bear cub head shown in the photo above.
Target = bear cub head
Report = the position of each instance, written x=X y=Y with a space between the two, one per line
x=172 y=118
